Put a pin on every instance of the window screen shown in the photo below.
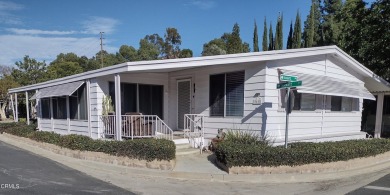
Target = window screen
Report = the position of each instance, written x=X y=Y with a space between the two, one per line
x=231 y=86
x=217 y=92
x=335 y=103
x=235 y=93
x=45 y=108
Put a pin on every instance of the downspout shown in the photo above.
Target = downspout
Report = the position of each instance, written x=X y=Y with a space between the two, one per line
x=27 y=110
x=89 y=106
x=16 y=108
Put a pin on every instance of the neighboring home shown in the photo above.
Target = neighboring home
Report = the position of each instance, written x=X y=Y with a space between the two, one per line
x=203 y=94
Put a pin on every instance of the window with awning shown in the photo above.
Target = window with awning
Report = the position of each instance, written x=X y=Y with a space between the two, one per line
x=327 y=85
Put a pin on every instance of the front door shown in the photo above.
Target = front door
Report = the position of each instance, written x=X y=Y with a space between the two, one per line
x=183 y=101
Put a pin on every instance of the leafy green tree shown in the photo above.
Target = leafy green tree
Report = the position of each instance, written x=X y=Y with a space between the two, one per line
x=234 y=42
x=309 y=31
x=331 y=21
x=6 y=82
x=279 y=33
x=265 y=36
x=375 y=48
x=271 y=45
x=29 y=71
x=186 y=53
x=289 y=38
x=297 y=35
x=255 y=39
x=214 y=47
x=172 y=43
x=129 y=53
x=312 y=33
x=62 y=69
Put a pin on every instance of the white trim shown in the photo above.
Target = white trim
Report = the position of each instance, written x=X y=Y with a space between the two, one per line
x=88 y=91
x=68 y=113
x=185 y=63
x=51 y=113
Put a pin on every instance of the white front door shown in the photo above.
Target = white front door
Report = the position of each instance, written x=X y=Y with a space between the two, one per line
x=183 y=101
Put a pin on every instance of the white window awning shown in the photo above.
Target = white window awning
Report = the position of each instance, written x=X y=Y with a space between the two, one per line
x=327 y=85
x=66 y=89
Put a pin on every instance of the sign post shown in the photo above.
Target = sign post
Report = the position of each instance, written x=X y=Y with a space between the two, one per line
x=290 y=82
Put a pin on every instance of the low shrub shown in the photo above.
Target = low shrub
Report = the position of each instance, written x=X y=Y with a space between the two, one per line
x=246 y=137
x=233 y=154
x=142 y=149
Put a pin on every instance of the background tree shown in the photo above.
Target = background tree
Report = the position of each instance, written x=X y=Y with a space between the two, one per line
x=279 y=33
x=255 y=39
x=172 y=43
x=6 y=82
x=129 y=53
x=312 y=26
x=265 y=36
x=29 y=71
x=331 y=21
x=271 y=38
x=297 y=35
x=63 y=69
x=186 y=53
x=214 y=47
x=289 y=38
x=234 y=42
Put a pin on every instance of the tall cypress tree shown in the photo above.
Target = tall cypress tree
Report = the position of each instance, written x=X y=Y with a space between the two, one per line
x=255 y=39
x=265 y=36
x=289 y=39
x=279 y=33
x=297 y=35
x=312 y=31
x=271 y=45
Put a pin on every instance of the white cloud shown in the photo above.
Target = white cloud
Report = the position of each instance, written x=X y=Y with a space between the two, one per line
x=95 y=24
x=15 y=47
x=203 y=4
x=6 y=17
x=10 y=6
x=20 y=31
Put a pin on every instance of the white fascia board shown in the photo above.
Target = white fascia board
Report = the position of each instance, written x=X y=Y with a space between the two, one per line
x=77 y=77
x=355 y=64
x=184 y=63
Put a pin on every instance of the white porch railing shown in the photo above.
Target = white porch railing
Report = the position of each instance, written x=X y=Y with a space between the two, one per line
x=137 y=126
x=193 y=128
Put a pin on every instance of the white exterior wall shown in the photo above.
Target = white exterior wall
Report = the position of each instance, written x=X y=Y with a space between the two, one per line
x=254 y=83
x=318 y=125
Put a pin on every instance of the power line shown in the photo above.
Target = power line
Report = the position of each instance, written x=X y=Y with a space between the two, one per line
x=101 y=48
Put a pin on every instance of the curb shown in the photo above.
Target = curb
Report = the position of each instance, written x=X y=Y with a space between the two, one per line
x=378 y=163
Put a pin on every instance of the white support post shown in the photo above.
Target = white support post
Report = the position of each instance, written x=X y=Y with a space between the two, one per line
x=13 y=107
x=27 y=109
x=68 y=113
x=16 y=108
x=88 y=86
x=51 y=114
x=379 y=113
x=118 y=118
x=38 y=110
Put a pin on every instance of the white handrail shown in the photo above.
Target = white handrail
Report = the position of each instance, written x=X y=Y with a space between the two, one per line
x=193 y=125
x=138 y=126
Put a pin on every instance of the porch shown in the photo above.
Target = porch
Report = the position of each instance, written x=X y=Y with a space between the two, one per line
x=136 y=125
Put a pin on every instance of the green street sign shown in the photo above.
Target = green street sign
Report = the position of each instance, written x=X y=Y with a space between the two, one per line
x=289 y=84
x=285 y=77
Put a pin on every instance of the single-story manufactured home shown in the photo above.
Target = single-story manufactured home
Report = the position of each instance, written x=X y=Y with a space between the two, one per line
x=200 y=95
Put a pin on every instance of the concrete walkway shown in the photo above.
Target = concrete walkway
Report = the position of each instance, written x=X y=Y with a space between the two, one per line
x=198 y=163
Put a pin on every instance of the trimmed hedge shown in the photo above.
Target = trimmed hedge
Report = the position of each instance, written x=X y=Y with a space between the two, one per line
x=233 y=154
x=142 y=149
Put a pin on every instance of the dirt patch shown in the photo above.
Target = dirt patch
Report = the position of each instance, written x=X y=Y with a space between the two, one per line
x=97 y=156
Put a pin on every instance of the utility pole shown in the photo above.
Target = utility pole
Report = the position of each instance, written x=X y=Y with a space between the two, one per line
x=101 y=48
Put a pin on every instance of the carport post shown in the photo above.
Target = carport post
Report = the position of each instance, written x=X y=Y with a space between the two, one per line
x=13 y=108
x=16 y=108
x=118 y=117
x=379 y=117
x=27 y=110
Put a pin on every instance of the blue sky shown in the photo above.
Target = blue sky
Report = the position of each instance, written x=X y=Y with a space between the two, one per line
x=44 y=28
